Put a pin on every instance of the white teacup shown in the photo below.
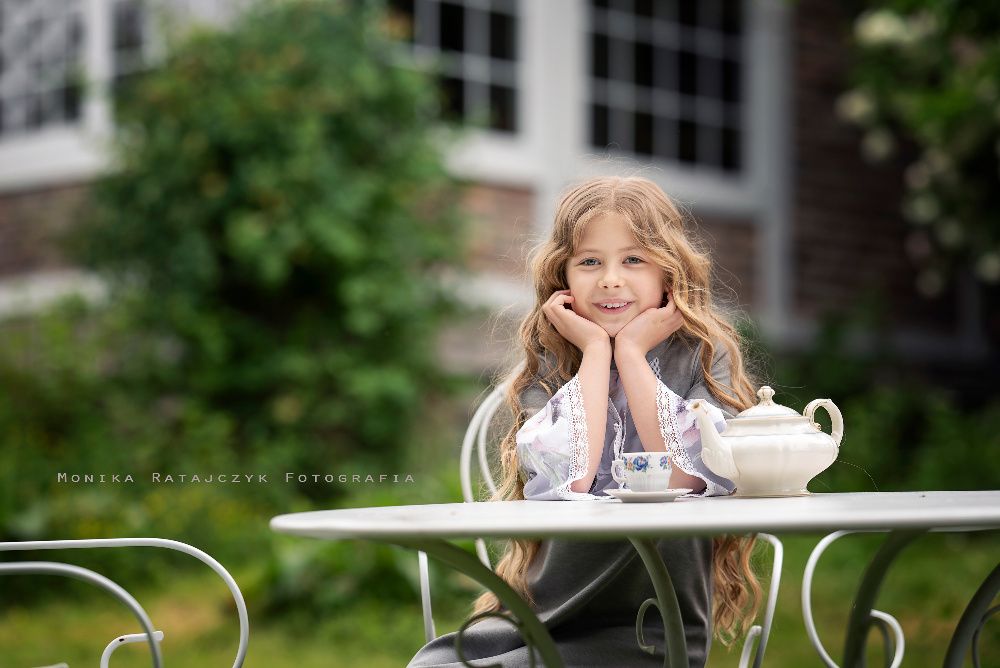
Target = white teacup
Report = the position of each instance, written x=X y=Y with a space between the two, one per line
x=642 y=471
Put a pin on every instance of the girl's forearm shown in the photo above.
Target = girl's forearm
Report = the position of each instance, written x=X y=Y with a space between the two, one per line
x=595 y=375
x=640 y=387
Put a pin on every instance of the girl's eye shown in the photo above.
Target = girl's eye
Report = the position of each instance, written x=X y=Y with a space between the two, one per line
x=633 y=257
x=587 y=261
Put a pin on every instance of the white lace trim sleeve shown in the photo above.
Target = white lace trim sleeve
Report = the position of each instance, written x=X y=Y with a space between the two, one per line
x=682 y=438
x=552 y=447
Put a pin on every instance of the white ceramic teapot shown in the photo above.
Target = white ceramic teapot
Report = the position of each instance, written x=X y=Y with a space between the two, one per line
x=769 y=449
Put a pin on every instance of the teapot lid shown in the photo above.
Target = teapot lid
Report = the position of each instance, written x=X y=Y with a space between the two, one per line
x=767 y=408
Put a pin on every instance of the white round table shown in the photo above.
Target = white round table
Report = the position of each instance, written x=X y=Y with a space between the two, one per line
x=905 y=515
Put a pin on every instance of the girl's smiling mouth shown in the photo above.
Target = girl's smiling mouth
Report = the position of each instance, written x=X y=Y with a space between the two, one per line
x=613 y=306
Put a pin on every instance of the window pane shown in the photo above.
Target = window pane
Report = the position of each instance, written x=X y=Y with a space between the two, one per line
x=127 y=29
x=687 y=146
x=502 y=32
x=451 y=27
x=643 y=64
x=730 y=81
x=479 y=41
x=731 y=153
x=503 y=108
x=687 y=71
x=599 y=56
x=453 y=98
x=732 y=16
x=599 y=134
x=643 y=133
x=687 y=13
x=39 y=75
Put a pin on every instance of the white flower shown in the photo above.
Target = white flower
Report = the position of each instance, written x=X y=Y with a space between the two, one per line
x=988 y=267
x=949 y=233
x=880 y=27
x=877 y=145
x=922 y=209
x=856 y=106
x=884 y=27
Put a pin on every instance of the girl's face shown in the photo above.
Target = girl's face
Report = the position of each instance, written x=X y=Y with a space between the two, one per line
x=611 y=277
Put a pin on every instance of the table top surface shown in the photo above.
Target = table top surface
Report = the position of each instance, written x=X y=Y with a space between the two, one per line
x=685 y=516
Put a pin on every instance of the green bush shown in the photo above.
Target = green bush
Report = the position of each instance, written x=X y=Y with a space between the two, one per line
x=273 y=233
x=277 y=222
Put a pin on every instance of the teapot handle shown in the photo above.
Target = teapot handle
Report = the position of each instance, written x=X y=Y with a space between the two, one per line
x=835 y=417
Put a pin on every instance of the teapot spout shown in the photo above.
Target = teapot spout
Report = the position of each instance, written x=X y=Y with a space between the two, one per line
x=715 y=451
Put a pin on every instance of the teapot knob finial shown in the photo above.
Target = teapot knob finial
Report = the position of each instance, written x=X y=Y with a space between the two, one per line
x=765 y=393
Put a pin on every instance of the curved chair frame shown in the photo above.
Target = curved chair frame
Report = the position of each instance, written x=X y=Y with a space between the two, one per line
x=476 y=436
x=178 y=546
x=108 y=585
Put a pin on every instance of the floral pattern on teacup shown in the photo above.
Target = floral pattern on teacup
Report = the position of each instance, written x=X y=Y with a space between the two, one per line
x=640 y=463
x=647 y=463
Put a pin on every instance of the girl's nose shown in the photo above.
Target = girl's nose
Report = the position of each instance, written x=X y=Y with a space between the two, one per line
x=609 y=280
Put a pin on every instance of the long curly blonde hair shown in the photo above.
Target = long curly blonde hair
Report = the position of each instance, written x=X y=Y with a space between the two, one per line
x=662 y=231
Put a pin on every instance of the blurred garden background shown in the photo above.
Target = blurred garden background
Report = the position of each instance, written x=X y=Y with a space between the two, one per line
x=288 y=238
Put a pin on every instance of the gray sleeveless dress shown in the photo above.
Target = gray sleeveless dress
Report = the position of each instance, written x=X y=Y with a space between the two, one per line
x=587 y=593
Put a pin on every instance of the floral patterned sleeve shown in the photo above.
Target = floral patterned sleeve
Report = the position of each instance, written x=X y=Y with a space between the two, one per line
x=552 y=447
x=680 y=430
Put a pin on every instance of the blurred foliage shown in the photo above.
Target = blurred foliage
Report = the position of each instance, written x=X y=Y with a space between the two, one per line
x=927 y=73
x=274 y=233
x=901 y=430
x=277 y=223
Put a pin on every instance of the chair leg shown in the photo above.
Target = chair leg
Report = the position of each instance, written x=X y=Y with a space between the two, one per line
x=425 y=597
x=764 y=632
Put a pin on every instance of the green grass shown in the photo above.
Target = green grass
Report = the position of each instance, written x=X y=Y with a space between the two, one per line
x=926 y=590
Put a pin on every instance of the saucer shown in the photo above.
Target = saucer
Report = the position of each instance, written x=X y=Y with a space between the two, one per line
x=628 y=496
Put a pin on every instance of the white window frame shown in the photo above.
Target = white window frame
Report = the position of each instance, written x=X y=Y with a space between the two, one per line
x=57 y=155
x=553 y=148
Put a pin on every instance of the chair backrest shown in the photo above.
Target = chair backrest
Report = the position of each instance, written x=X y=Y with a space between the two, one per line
x=476 y=437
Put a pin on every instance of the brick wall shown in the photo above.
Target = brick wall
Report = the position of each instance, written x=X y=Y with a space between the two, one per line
x=732 y=244
x=502 y=230
x=30 y=225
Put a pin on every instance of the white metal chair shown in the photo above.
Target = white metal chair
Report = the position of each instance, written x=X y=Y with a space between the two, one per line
x=151 y=636
x=476 y=436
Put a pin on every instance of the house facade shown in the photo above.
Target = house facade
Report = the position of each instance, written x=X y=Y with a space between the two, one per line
x=727 y=104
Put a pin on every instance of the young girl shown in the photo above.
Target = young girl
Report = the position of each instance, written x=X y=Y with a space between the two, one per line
x=622 y=338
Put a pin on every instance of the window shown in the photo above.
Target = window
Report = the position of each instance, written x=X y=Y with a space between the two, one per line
x=42 y=72
x=41 y=54
x=476 y=44
x=666 y=80
x=129 y=38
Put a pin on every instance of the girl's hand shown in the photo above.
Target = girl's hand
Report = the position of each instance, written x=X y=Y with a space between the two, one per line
x=649 y=328
x=573 y=327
